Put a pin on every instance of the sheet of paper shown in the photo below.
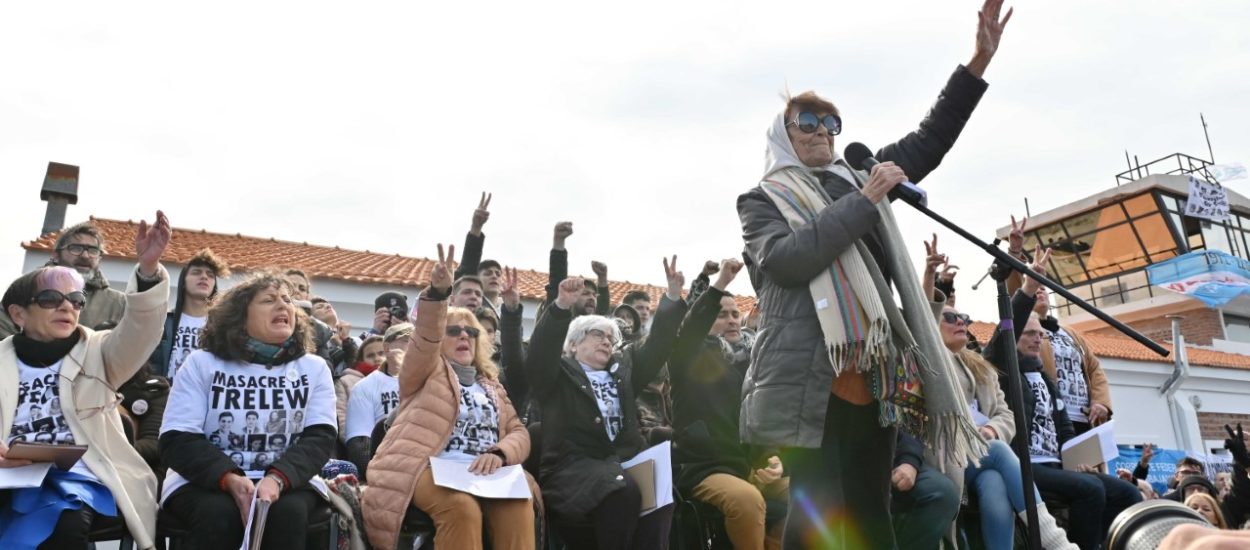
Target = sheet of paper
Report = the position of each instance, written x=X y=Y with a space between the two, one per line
x=23 y=477
x=247 y=529
x=506 y=482
x=662 y=454
x=978 y=418
x=1093 y=447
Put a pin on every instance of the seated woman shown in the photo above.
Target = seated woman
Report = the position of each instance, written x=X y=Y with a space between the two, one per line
x=50 y=399
x=451 y=406
x=590 y=418
x=371 y=356
x=996 y=482
x=256 y=362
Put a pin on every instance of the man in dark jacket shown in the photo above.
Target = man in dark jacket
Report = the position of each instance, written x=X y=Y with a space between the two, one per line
x=197 y=286
x=1095 y=499
x=711 y=465
x=924 y=502
x=833 y=444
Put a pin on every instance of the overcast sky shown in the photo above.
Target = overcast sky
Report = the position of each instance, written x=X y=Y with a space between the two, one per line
x=375 y=126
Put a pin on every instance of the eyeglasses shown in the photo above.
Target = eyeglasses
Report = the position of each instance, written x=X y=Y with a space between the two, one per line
x=809 y=122
x=599 y=334
x=1032 y=333
x=80 y=249
x=455 y=330
x=952 y=318
x=52 y=299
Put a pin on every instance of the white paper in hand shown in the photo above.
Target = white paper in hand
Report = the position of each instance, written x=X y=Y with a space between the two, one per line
x=506 y=482
x=662 y=454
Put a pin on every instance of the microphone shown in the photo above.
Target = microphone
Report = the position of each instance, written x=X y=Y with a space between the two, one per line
x=859 y=156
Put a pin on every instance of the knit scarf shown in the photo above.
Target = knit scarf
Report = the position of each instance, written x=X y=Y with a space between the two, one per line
x=865 y=330
x=43 y=354
x=270 y=355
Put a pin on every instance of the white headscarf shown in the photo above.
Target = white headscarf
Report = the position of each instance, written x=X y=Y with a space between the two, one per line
x=780 y=154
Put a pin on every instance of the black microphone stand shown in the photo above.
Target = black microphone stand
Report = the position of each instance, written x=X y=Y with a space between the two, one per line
x=1004 y=264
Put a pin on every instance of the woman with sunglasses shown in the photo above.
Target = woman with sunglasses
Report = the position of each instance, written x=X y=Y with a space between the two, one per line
x=255 y=361
x=54 y=360
x=586 y=390
x=453 y=407
x=996 y=482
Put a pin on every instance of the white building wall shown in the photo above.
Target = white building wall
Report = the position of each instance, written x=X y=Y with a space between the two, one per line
x=1141 y=410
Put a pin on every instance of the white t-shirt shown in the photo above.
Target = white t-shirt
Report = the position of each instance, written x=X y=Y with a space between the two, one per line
x=1070 y=374
x=253 y=414
x=609 y=397
x=371 y=399
x=39 y=418
x=186 y=340
x=477 y=425
x=1043 y=436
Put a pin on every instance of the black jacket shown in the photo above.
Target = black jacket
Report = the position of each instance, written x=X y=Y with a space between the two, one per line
x=788 y=385
x=706 y=384
x=512 y=358
x=580 y=465
x=996 y=352
x=144 y=397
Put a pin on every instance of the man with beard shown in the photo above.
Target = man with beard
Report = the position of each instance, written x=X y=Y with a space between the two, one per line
x=197 y=286
x=80 y=247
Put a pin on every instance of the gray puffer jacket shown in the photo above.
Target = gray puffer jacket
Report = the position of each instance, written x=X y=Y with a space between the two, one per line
x=787 y=386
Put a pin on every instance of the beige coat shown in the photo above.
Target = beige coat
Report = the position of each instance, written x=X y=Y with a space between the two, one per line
x=428 y=407
x=342 y=391
x=112 y=355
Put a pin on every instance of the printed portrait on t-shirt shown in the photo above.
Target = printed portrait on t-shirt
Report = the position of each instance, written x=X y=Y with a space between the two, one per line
x=277 y=441
x=54 y=407
x=1043 y=435
x=44 y=437
x=256 y=443
x=277 y=422
x=225 y=424
x=237 y=458
x=44 y=425
x=297 y=421
x=260 y=462
x=36 y=412
x=236 y=442
x=215 y=439
x=252 y=423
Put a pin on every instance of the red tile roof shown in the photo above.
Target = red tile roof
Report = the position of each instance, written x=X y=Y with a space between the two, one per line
x=244 y=253
x=1123 y=347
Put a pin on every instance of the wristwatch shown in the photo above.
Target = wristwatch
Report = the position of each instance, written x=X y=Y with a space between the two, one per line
x=277 y=479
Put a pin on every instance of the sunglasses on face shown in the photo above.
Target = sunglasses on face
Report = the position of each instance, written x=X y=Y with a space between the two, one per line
x=51 y=299
x=455 y=330
x=951 y=318
x=808 y=123
x=80 y=249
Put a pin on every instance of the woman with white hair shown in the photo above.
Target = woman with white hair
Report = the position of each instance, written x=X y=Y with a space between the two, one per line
x=586 y=392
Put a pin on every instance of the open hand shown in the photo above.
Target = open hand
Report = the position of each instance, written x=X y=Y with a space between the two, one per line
x=151 y=242
x=1041 y=257
x=510 y=293
x=989 y=33
x=1015 y=239
x=485 y=464
x=1236 y=445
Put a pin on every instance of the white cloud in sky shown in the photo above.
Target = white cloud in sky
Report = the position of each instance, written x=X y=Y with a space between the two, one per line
x=375 y=125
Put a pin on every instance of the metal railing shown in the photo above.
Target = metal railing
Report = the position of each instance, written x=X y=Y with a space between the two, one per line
x=1184 y=165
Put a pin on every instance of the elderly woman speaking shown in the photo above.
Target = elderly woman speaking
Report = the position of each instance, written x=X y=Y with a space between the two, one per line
x=837 y=366
x=58 y=385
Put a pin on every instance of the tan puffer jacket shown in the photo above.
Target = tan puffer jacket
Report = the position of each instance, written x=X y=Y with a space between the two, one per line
x=342 y=391
x=428 y=406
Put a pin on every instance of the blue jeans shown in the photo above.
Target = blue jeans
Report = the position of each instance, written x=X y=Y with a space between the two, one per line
x=1000 y=493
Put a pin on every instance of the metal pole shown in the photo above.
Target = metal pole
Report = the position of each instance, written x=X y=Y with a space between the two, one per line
x=1208 y=136
x=1015 y=399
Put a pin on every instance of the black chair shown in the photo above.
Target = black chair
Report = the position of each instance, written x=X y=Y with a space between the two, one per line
x=113 y=529
x=700 y=525
x=322 y=522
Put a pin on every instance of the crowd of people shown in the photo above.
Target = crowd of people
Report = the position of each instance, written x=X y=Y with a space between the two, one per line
x=852 y=408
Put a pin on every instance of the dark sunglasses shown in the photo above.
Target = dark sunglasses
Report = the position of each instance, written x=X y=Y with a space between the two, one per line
x=455 y=330
x=809 y=122
x=51 y=299
x=953 y=317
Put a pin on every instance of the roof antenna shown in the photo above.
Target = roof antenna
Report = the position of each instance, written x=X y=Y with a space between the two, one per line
x=1208 y=136
x=1026 y=208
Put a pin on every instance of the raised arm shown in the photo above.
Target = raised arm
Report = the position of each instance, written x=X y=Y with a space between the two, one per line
x=512 y=345
x=603 y=302
x=128 y=347
x=424 y=356
x=542 y=363
x=475 y=239
x=558 y=264
x=650 y=356
x=698 y=323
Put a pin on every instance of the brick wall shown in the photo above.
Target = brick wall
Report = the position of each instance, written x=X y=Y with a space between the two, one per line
x=1211 y=424
x=1199 y=326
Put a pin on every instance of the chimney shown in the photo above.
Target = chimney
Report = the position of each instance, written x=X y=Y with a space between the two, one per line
x=60 y=189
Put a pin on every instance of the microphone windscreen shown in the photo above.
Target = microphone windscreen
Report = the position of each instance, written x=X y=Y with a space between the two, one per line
x=856 y=153
x=1142 y=526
